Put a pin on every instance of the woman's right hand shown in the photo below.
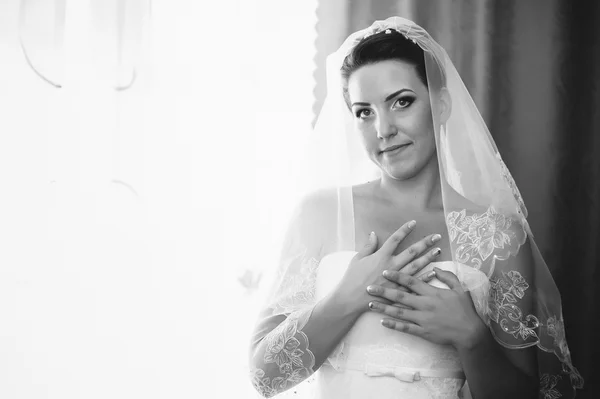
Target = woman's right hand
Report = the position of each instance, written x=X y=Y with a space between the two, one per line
x=366 y=268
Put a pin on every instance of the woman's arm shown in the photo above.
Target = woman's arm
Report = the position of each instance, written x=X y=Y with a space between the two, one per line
x=448 y=317
x=494 y=371
x=289 y=349
x=296 y=334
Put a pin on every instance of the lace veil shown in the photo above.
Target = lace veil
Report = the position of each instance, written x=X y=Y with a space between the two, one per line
x=485 y=215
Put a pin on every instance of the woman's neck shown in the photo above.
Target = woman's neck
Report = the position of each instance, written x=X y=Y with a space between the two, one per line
x=421 y=192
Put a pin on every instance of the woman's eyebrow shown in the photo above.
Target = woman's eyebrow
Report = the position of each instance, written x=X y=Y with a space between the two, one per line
x=388 y=98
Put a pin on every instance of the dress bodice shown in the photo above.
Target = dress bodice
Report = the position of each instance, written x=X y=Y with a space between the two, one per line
x=392 y=363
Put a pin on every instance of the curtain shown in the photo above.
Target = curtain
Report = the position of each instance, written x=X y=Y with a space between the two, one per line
x=533 y=69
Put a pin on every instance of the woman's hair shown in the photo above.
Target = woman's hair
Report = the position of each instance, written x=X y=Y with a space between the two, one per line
x=384 y=47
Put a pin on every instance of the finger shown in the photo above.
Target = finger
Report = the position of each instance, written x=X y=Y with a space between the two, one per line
x=404 y=327
x=396 y=312
x=449 y=279
x=395 y=239
x=369 y=247
x=413 y=267
x=396 y=296
x=416 y=249
x=427 y=277
x=391 y=284
x=382 y=301
x=412 y=283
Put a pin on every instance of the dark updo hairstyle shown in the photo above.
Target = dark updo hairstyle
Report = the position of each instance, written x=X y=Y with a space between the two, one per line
x=384 y=47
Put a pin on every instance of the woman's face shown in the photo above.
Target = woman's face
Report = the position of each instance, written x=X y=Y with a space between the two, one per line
x=391 y=109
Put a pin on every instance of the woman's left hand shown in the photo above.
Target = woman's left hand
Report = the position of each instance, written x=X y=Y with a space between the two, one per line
x=442 y=316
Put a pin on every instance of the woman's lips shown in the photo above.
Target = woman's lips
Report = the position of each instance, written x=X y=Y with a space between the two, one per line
x=395 y=150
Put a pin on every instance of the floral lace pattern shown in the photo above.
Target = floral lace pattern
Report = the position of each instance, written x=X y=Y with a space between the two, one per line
x=399 y=354
x=547 y=387
x=287 y=349
x=574 y=376
x=443 y=388
x=297 y=289
x=478 y=235
x=386 y=356
x=556 y=329
x=505 y=292
x=490 y=236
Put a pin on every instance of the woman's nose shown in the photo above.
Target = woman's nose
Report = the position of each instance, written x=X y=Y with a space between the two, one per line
x=385 y=127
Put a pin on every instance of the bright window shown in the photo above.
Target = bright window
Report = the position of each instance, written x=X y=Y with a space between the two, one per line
x=137 y=210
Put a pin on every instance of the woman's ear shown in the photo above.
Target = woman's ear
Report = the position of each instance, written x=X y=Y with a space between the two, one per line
x=444 y=105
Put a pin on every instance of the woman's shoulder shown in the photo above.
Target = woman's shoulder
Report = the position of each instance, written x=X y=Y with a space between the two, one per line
x=317 y=211
x=318 y=202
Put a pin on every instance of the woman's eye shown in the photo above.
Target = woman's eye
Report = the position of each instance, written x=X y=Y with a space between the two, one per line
x=363 y=113
x=404 y=102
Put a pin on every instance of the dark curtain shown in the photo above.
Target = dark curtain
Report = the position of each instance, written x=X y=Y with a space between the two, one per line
x=533 y=68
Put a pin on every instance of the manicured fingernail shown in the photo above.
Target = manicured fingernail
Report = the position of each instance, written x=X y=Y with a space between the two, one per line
x=372 y=289
x=437 y=252
x=386 y=273
x=412 y=224
x=430 y=275
x=436 y=238
x=371 y=305
x=372 y=236
x=386 y=323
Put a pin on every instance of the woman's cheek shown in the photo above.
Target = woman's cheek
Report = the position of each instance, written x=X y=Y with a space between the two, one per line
x=369 y=138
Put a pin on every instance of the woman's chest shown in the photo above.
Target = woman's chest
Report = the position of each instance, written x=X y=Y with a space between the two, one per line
x=385 y=220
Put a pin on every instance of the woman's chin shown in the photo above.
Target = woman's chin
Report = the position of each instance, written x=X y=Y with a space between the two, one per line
x=398 y=172
x=408 y=168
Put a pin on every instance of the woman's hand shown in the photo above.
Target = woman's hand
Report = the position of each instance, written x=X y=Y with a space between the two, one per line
x=367 y=267
x=442 y=316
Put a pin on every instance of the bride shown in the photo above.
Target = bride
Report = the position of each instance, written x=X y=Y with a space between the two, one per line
x=410 y=271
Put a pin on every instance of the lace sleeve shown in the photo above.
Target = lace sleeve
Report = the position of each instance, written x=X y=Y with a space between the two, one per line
x=284 y=358
x=280 y=355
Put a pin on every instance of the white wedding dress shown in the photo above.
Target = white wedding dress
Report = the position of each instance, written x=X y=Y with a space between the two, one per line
x=376 y=362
